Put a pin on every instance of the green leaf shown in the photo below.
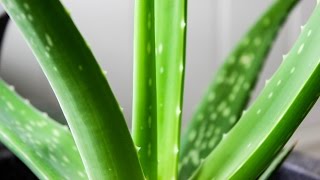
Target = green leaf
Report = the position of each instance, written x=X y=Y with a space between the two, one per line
x=92 y=112
x=230 y=90
x=277 y=161
x=268 y=124
x=144 y=88
x=170 y=29
x=45 y=146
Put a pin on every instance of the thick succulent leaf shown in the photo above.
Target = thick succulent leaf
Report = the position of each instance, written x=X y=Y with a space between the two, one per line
x=92 y=112
x=230 y=90
x=45 y=146
x=170 y=29
x=267 y=125
x=144 y=130
x=277 y=161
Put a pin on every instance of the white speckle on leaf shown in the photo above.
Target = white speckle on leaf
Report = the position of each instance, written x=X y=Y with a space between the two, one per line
x=160 y=48
x=55 y=140
x=226 y=112
x=192 y=135
x=267 y=82
x=23 y=16
x=284 y=56
x=176 y=149
x=213 y=116
x=26 y=6
x=233 y=119
x=292 y=70
x=232 y=96
x=56 y=133
x=200 y=117
x=194 y=155
x=29 y=128
x=183 y=24
x=300 y=49
x=66 y=159
x=217 y=131
x=181 y=67
x=257 y=41
x=30 y=17
x=246 y=60
x=231 y=60
x=49 y=40
x=81 y=174
x=10 y=106
x=222 y=105
x=309 y=33
x=45 y=115
x=178 y=111
x=41 y=124
x=259 y=111
x=161 y=70
x=212 y=142
x=47 y=54
x=52 y=157
x=75 y=148
x=11 y=88
x=246 y=86
x=245 y=41
x=211 y=96
x=279 y=82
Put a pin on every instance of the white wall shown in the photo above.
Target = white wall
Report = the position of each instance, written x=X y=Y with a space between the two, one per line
x=214 y=27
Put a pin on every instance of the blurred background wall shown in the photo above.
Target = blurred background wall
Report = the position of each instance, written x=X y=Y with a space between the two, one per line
x=214 y=26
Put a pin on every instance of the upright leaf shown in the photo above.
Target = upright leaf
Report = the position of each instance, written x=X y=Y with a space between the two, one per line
x=170 y=29
x=144 y=88
x=45 y=146
x=93 y=114
x=230 y=90
x=268 y=124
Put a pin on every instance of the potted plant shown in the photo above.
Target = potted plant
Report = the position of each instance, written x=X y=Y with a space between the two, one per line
x=222 y=141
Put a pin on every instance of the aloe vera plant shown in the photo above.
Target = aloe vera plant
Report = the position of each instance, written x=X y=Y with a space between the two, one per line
x=99 y=145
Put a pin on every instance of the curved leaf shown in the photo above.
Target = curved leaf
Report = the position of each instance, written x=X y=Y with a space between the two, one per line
x=92 y=112
x=45 y=146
